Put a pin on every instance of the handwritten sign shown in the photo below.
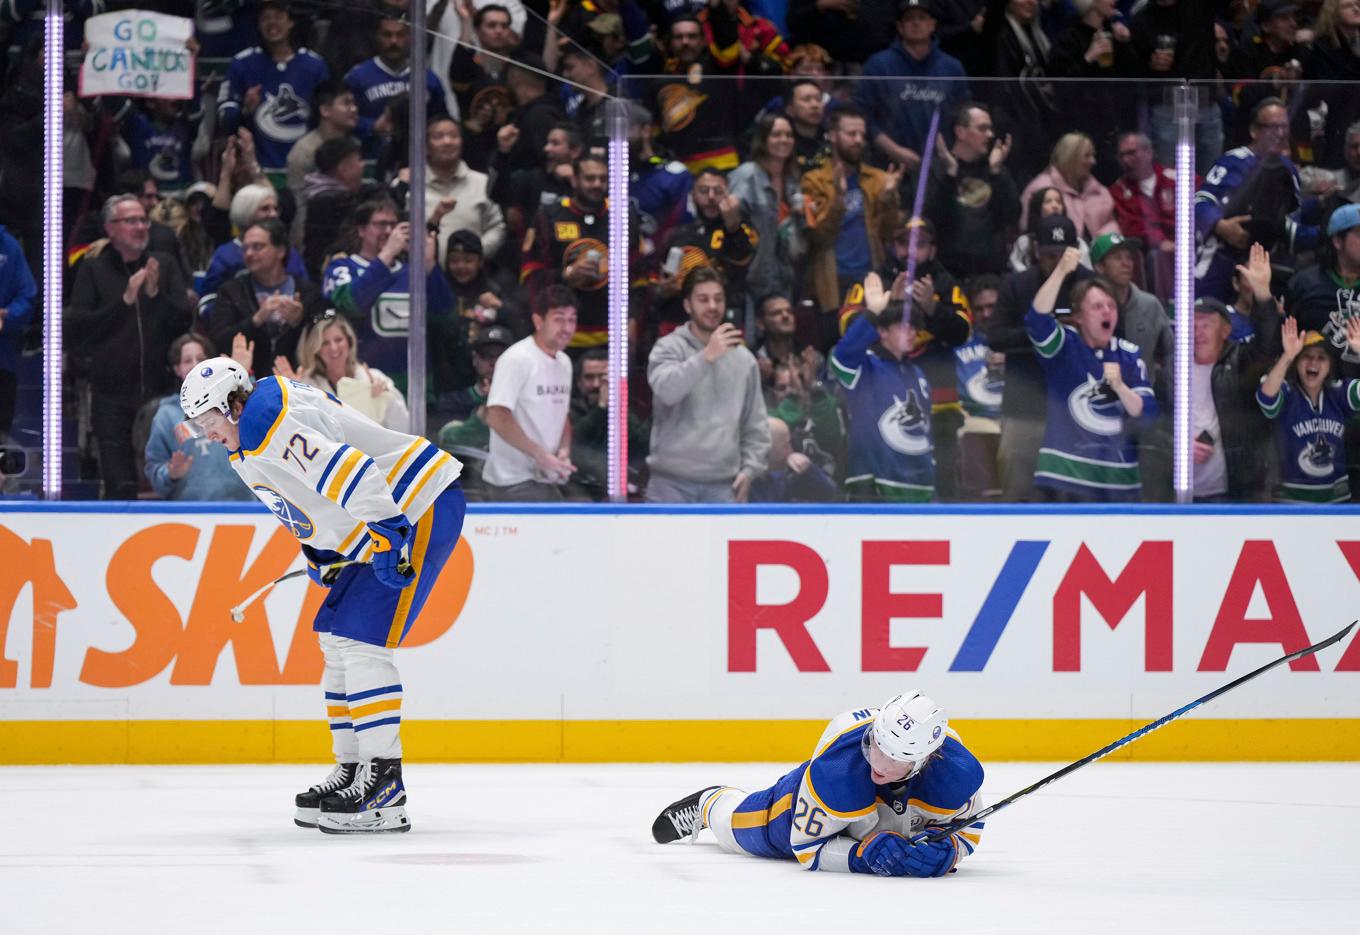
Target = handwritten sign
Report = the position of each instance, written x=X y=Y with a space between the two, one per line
x=137 y=53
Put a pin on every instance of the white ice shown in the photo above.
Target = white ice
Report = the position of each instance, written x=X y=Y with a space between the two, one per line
x=1115 y=848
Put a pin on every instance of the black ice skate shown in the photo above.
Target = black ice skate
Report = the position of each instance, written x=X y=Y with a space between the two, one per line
x=309 y=802
x=680 y=819
x=373 y=802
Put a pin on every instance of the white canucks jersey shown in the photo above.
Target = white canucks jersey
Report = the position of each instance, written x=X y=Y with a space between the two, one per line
x=326 y=470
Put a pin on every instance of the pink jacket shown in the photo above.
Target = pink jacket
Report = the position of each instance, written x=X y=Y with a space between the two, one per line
x=1091 y=209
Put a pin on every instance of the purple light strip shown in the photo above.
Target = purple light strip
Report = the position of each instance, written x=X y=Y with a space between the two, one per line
x=1184 y=292
x=918 y=204
x=54 y=61
x=617 y=441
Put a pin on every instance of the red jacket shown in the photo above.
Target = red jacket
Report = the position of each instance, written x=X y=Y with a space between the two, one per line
x=1151 y=220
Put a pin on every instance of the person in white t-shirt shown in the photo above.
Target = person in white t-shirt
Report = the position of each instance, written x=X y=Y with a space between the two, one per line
x=527 y=407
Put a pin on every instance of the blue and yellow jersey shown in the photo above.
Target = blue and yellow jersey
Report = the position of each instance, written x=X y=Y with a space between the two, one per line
x=819 y=811
x=326 y=470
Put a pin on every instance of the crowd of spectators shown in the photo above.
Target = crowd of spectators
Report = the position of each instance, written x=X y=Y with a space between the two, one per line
x=902 y=250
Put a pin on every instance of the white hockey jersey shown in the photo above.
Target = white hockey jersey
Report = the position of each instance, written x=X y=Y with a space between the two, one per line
x=326 y=470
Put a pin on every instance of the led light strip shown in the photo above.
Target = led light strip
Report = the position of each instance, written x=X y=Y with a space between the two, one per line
x=617 y=451
x=54 y=62
x=1184 y=291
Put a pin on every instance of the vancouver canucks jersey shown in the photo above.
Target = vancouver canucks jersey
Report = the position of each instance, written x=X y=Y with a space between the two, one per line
x=980 y=386
x=1229 y=178
x=835 y=803
x=376 y=299
x=285 y=109
x=891 y=452
x=326 y=470
x=1087 y=448
x=374 y=86
x=1309 y=439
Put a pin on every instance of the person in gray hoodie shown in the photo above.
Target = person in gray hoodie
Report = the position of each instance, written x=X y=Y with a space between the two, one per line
x=710 y=434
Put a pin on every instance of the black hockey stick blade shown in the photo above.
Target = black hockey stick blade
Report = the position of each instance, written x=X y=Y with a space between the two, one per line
x=945 y=830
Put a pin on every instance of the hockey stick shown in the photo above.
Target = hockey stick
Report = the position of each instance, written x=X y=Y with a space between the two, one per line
x=238 y=613
x=946 y=830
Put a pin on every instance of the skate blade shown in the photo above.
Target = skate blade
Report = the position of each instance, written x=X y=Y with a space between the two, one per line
x=372 y=822
x=306 y=817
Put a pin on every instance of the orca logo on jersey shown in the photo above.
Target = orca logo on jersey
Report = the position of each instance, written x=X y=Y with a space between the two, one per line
x=1317 y=459
x=288 y=512
x=984 y=389
x=283 y=116
x=904 y=426
x=1095 y=407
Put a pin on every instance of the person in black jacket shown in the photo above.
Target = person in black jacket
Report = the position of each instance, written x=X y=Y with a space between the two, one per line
x=265 y=303
x=1231 y=438
x=128 y=303
x=972 y=196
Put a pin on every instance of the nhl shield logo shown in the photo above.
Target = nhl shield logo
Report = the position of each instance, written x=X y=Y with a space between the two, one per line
x=288 y=512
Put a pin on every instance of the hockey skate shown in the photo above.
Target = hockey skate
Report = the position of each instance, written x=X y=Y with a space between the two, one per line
x=374 y=801
x=309 y=802
x=680 y=819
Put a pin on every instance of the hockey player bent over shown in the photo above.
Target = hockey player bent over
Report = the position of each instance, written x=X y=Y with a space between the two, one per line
x=378 y=514
x=878 y=782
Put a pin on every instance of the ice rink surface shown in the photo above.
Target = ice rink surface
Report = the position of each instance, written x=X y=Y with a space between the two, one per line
x=1114 y=848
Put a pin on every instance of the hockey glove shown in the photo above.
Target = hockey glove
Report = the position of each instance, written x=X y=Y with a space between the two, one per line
x=390 y=539
x=323 y=573
x=930 y=858
x=884 y=853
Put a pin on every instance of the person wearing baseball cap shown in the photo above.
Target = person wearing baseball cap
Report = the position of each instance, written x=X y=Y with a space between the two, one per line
x=1024 y=404
x=898 y=123
x=1230 y=437
x=1320 y=295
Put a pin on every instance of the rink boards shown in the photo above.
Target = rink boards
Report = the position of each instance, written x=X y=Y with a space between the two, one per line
x=590 y=634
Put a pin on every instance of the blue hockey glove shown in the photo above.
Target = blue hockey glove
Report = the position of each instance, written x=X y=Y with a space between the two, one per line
x=884 y=853
x=390 y=538
x=930 y=859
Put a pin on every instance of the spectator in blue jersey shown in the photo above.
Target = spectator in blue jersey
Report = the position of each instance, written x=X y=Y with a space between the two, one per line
x=906 y=82
x=180 y=465
x=381 y=84
x=1251 y=194
x=270 y=87
x=160 y=138
x=1096 y=386
x=982 y=384
x=891 y=452
x=1311 y=413
x=17 y=292
x=266 y=303
x=369 y=284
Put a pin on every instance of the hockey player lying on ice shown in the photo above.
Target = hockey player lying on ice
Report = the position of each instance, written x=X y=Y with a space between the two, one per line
x=378 y=513
x=879 y=782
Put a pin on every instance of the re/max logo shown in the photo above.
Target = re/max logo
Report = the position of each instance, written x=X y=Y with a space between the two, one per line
x=1148 y=574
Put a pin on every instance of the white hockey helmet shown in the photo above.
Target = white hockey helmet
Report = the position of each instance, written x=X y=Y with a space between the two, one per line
x=208 y=385
x=909 y=728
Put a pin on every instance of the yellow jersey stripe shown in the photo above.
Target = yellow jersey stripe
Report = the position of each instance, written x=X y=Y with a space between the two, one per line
x=762 y=818
x=822 y=748
x=342 y=473
x=337 y=711
x=377 y=707
x=408 y=594
x=278 y=419
x=411 y=449
x=927 y=807
x=975 y=838
x=430 y=470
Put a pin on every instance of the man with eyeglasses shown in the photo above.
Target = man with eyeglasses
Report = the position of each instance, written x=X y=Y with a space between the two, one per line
x=128 y=304
x=1251 y=195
